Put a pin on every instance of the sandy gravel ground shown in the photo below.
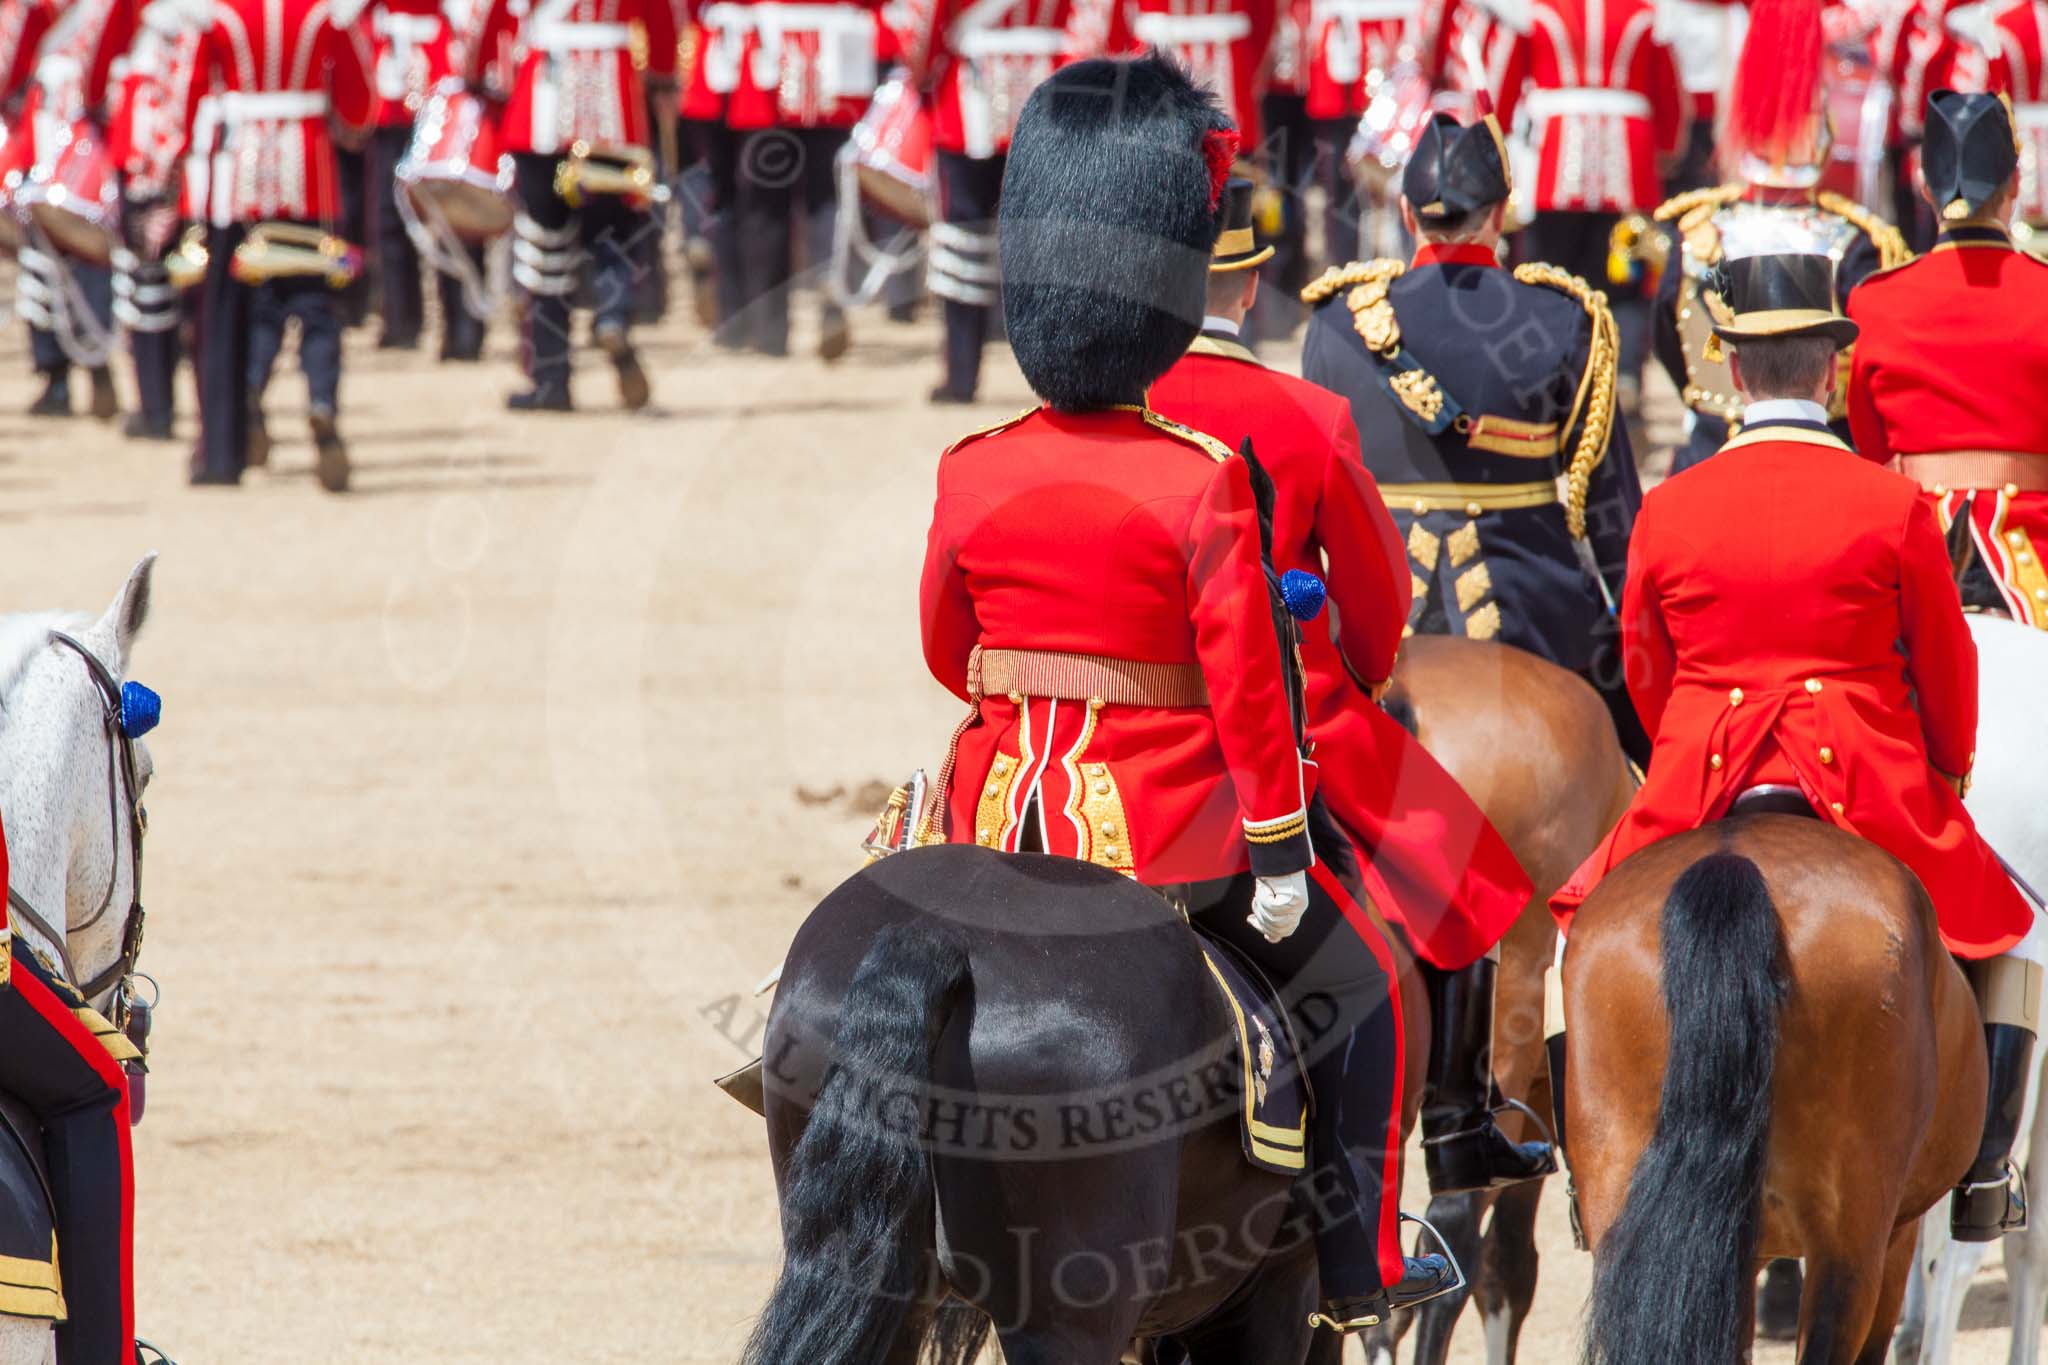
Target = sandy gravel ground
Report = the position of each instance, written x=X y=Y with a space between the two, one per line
x=484 y=795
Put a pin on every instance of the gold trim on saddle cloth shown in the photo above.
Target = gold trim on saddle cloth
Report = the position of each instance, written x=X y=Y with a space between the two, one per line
x=32 y=1288
x=1283 y=1147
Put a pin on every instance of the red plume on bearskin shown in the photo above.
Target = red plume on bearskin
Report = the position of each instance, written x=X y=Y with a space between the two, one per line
x=1774 y=108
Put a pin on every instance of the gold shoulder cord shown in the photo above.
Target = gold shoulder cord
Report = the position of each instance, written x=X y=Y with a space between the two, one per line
x=1341 y=277
x=1889 y=241
x=1595 y=398
x=1713 y=197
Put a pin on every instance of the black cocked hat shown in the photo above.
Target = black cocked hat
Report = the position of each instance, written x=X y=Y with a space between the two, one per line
x=1969 y=153
x=1109 y=210
x=1457 y=168
x=1237 y=243
x=1779 y=296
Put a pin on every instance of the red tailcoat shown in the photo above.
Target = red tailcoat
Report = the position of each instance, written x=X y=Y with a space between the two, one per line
x=1116 y=534
x=981 y=59
x=282 y=69
x=1605 y=95
x=765 y=63
x=1790 y=618
x=1952 y=358
x=574 y=76
x=146 y=131
x=414 y=51
x=1433 y=863
x=1224 y=45
x=1449 y=35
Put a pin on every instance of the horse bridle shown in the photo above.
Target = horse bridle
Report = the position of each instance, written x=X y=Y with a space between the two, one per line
x=121 y=771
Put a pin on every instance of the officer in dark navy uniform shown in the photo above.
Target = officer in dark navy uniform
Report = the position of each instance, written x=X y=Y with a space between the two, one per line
x=1484 y=403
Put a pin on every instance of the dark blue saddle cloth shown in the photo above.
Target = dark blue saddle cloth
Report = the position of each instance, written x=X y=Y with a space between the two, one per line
x=1273 y=1113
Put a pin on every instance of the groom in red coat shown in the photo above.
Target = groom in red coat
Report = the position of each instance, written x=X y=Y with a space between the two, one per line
x=1434 y=864
x=1791 y=622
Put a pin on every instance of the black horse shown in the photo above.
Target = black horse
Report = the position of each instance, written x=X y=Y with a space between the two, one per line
x=1000 y=1093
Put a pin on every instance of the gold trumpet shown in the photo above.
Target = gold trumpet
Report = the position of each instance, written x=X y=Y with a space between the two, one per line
x=186 y=262
x=605 y=169
x=274 y=251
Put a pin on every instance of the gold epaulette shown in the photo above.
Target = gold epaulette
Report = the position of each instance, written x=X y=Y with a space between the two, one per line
x=1341 y=277
x=1201 y=440
x=1594 y=401
x=1712 y=197
x=989 y=430
x=1889 y=241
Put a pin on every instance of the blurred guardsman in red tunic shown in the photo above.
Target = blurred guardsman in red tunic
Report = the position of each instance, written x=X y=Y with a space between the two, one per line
x=414 y=52
x=1603 y=97
x=1791 y=623
x=787 y=81
x=1094 y=589
x=145 y=137
x=980 y=59
x=1434 y=864
x=286 y=72
x=576 y=123
x=1949 y=369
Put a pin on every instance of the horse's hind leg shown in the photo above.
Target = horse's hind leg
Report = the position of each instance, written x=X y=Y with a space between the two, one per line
x=1891 y=1295
x=1835 y=1315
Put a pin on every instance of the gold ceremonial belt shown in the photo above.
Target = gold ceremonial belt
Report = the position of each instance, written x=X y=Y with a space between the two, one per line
x=2011 y=470
x=1020 y=673
x=1469 y=498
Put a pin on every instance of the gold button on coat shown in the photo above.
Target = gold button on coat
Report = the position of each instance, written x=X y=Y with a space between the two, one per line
x=1813 y=684
x=1714 y=762
x=1735 y=696
x=1827 y=755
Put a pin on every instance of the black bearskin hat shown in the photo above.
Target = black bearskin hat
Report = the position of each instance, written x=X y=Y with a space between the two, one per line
x=1109 y=209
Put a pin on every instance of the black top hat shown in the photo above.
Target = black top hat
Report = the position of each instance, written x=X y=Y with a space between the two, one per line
x=1110 y=201
x=1237 y=246
x=1969 y=152
x=1779 y=296
x=1457 y=168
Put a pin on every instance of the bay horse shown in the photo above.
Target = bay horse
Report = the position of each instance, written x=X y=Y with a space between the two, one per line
x=990 y=1084
x=1535 y=747
x=69 y=851
x=1770 y=1055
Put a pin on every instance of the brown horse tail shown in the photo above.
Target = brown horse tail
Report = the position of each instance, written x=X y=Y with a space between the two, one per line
x=857 y=1196
x=1672 y=1277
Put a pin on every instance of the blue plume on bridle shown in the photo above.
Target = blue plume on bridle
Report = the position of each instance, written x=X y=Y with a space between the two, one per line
x=140 y=710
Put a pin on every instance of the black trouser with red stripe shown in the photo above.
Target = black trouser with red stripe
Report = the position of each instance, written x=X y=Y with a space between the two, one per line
x=1336 y=976
x=53 y=1064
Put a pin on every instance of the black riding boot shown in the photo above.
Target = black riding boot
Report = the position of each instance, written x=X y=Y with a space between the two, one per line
x=1462 y=1148
x=1989 y=1204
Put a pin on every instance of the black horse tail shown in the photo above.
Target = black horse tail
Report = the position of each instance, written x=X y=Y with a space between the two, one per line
x=1672 y=1277
x=857 y=1196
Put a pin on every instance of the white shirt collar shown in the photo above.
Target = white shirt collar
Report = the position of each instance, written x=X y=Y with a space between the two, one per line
x=1212 y=323
x=1784 y=409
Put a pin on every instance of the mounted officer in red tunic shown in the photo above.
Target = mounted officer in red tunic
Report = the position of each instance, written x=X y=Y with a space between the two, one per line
x=1435 y=866
x=1791 y=625
x=1093 y=588
x=1946 y=385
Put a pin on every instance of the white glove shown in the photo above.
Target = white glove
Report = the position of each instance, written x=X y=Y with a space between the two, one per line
x=1278 y=904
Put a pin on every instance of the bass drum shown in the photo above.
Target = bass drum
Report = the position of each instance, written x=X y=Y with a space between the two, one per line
x=892 y=155
x=75 y=197
x=452 y=169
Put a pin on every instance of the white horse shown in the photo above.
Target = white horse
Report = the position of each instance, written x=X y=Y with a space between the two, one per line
x=64 y=851
x=2006 y=802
